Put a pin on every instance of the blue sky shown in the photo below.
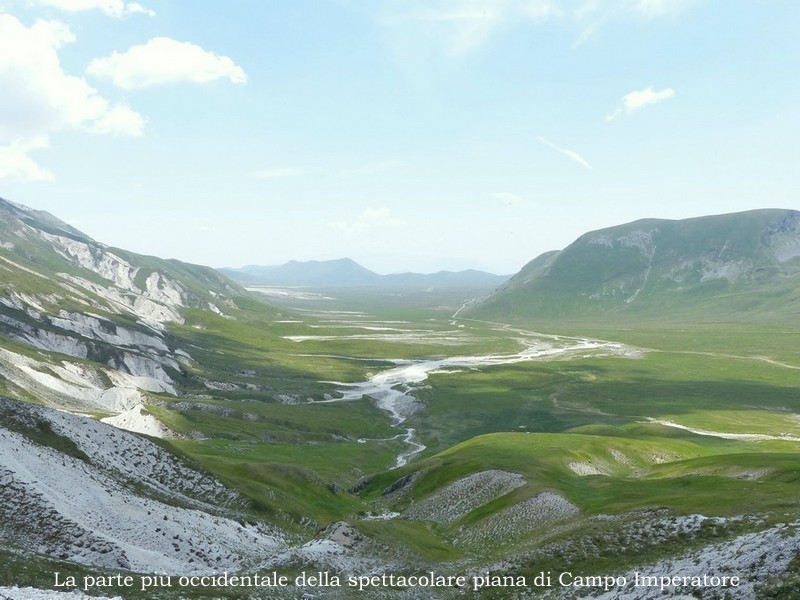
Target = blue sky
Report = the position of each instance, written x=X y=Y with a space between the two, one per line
x=408 y=135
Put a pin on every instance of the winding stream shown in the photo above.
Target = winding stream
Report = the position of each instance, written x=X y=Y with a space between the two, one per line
x=393 y=388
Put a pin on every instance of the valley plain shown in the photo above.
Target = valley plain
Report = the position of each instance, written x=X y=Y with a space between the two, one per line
x=362 y=431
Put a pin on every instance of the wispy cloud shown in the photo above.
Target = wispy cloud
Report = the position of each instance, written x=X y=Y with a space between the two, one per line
x=511 y=199
x=571 y=154
x=277 y=172
x=458 y=28
x=659 y=8
x=587 y=32
x=639 y=99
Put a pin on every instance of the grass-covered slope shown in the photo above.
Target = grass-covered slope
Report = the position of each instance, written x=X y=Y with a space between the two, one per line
x=686 y=455
x=724 y=265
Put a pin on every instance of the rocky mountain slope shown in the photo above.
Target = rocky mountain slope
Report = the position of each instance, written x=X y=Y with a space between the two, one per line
x=85 y=325
x=734 y=264
x=96 y=331
x=90 y=493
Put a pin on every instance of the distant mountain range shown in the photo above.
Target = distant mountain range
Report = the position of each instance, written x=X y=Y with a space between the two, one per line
x=720 y=266
x=347 y=272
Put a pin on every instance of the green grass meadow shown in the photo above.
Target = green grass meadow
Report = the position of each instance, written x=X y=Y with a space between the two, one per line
x=609 y=434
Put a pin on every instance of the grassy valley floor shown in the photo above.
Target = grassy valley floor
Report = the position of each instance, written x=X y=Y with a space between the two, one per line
x=663 y=444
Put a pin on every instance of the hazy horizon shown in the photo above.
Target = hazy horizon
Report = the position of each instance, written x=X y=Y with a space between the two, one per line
x=243 y=267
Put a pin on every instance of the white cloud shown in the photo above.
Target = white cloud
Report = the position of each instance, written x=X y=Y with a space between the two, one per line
x=162 y=61
x=39 y=98
x=639 y=99
x=120 y=120
x=571 y=154
x=113 y=8
x=369 y=220
x=277 y=172
x=16 y=165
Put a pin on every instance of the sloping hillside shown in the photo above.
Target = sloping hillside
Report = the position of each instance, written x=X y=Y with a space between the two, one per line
x=723 y=266
x=84 y=325
x=93 y=494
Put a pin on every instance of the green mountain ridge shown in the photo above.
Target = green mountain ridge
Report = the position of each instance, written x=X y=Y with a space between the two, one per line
x=738 y=264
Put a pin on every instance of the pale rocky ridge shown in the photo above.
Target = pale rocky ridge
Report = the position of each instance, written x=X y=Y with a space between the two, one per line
x=118 y=501
x=458 y=499
x=115 y=327
x=752 y=557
